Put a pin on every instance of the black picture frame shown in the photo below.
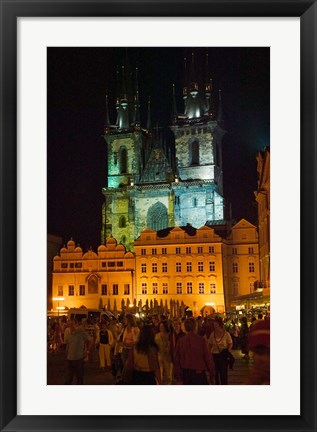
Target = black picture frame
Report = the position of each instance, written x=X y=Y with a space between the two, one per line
x=10 y=11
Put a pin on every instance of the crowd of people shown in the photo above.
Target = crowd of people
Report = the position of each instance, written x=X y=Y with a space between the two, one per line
x=158 y=350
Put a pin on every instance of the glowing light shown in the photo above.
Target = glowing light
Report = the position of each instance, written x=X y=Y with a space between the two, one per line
x=60 y=307
x=58 y=298
x=210 y=304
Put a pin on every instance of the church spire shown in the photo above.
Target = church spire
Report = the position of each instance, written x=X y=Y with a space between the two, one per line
x=107 y=117
x=136 y=102
x=174 y=113
x=208 y=86
x=219 y=114
x=123 y=111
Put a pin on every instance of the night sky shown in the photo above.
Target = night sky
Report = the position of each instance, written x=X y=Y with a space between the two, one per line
x=77 y=82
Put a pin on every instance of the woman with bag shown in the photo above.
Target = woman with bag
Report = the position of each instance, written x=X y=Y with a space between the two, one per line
x=220 y=343
x=142 y=366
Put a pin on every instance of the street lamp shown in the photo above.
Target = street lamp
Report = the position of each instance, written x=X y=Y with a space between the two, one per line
x=58 y=299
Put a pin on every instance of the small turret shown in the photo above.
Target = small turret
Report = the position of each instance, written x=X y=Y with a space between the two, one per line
x=219 y=114
x=174 y=113
x=148 y=122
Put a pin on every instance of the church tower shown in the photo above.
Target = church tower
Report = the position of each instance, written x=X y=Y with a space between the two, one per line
x=125 y=148
x=198 y=148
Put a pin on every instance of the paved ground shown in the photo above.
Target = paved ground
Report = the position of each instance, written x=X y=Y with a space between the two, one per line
x=56 y=368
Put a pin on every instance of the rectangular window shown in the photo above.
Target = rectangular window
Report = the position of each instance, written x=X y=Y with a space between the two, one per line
x=64 y=265
x=143 y=268
x=71 y=290
x=179 y=287
x=178 y=267
x=60 y=291
x=154 y=288
x=234 y=251
x=200 y=266
x=165 y=288
x=189 y=288
x=251 y=251
x=71 y=265
x=212 y=288
x=211 y=249
x=120 y=264
x=115 y=289
x=188 y=266
x=178 y=250
x=126 y=289
x=111 y=264
x=103 y=264
x=201 y=288
x=235 y=267
x=164 y=251
x=154 y=267
x=212 y=266
x=81 y=289
x=104 y=289
x=251 y=267
x=78 y=265
x=144 y=288
x=143 y=251
x=188 y=250
x=154 y=251
x=164 y=267
x=200 y=249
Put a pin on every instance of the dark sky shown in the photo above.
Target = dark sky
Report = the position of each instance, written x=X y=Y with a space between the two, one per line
x=78 y=80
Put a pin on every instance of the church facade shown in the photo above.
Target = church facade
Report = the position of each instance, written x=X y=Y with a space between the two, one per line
x=157 y=183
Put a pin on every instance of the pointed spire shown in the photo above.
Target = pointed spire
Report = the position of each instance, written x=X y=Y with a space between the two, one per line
x=185 y=88
x=174 y=113
x=148 y=122
x=107 y=117
x=136 y=101
x=219 y=114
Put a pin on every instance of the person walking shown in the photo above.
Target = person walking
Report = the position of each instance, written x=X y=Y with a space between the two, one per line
x=192 y=358
x=220 y=343
x=162 y=339
x=243 y=337
x=77 y=348
x=143 y=364
x=104 y=342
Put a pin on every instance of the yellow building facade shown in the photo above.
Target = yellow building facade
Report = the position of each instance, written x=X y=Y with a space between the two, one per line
x=91 y=279
x=181 y=264
x=197 y=268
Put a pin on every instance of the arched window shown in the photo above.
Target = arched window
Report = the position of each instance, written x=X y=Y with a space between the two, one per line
x=157 y=217
x=194 y=153
x=122 y=222
x=123 y=160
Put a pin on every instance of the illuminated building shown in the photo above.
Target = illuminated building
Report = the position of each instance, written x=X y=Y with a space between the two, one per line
x=93 y=279
x=262 y=195
x=241 y=265
x=196 y=267
x=156 y=182
x=164 y=205
x=181 y=263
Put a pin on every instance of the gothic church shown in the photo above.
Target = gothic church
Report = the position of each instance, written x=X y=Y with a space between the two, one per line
x=153 y=183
